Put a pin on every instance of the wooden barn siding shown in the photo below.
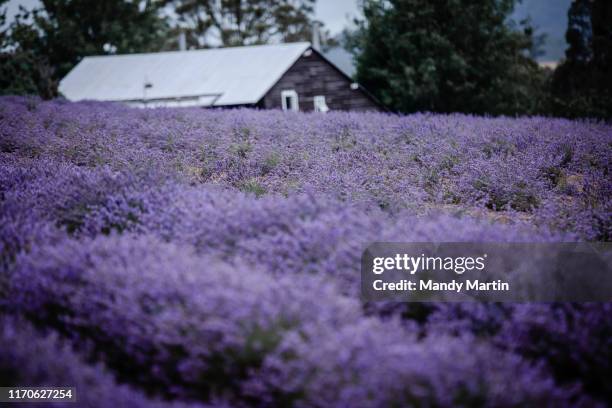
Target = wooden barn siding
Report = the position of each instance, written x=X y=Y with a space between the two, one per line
x=312 y=75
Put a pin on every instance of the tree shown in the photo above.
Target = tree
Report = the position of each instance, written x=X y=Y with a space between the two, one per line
x=448 y=56
x=582 y=84
x=579 y=35
x=243 y=22
x=21 y=72
x=48 y=41
x=3 y=31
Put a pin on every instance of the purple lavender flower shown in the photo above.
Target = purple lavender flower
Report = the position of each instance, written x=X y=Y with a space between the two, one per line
x=209 y=256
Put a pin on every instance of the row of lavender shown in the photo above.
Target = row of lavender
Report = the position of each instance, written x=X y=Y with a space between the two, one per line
x=554 y=172
x=126 y=242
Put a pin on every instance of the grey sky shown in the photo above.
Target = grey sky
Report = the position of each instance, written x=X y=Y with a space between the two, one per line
x=549 y=15
x=336 y=14
x=13 y=6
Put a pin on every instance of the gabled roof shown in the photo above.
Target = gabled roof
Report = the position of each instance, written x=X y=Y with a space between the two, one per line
x=222 y=76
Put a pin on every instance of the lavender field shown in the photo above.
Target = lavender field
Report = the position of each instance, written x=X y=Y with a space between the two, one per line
x=184 y=257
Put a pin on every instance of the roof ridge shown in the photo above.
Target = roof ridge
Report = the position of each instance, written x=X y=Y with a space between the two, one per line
x=202 y=50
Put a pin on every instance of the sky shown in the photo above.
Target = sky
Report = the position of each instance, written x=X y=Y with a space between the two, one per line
x=336 y=14
x=13 y=6
x=550 y=16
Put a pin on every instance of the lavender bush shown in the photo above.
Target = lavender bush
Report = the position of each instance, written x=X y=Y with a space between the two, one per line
x=30 y=357
x=212 y=257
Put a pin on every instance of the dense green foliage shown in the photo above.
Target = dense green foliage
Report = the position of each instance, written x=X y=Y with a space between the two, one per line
x=582 y=85
x=449 y=56
x=24 y=73
x=43 y=44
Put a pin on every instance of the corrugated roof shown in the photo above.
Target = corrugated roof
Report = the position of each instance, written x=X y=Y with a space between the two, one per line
x=223 y=76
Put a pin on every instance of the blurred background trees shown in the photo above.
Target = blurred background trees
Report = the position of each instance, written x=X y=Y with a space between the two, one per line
x=230 y=23
x=22 y=72
x=466 y=56
x=449 y=56
x=582 y=84
x=43 y=44
x=414 y=55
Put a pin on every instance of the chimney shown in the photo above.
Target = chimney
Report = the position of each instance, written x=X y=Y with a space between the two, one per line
x=182 y=41
x=316 y=36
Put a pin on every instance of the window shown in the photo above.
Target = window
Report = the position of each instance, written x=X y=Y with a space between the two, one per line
x=289 y=99
x=319 y=104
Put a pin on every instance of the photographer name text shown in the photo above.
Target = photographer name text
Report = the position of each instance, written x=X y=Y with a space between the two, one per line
x=420 y=264
x=432 y=285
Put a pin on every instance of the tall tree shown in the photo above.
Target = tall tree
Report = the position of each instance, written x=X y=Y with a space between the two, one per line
x=59 y=34
x=579 y=35
x=243 y=22
x=448 y=56
x=582 y=84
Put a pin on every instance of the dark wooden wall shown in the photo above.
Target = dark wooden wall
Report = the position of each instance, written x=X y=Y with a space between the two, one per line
x=312 y=75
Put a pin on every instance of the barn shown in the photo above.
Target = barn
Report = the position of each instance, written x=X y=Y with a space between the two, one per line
x=293 y=77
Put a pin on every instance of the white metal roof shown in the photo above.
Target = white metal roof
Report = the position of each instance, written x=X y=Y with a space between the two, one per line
x=222 y=76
